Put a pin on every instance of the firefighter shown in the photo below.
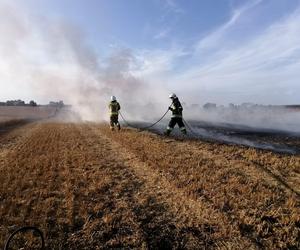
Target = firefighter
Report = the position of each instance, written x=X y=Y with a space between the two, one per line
x=176 y=118
x=114 y=108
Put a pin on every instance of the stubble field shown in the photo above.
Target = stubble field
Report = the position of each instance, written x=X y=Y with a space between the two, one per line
x=86 y=187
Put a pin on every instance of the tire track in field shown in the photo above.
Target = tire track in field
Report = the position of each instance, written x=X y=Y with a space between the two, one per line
x=199 y=219
x=87 y=188
x=275 y=168
x=121 y=209
x=57 y=169
x=56 y=187
x=103 y=221
x=33 y=197
x=119 y=222
x=222 y=182
x=12 y=136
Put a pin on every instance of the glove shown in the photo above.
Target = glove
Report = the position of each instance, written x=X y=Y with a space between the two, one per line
x=170 y=108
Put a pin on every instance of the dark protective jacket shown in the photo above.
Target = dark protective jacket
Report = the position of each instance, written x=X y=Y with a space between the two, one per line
x=114 y=107
x=176 y=108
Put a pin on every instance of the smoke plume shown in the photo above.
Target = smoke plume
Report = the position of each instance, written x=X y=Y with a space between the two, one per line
x=52 y=60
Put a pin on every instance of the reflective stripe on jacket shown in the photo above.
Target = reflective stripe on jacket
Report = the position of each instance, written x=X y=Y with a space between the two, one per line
x=176 y=109
x=114 y=108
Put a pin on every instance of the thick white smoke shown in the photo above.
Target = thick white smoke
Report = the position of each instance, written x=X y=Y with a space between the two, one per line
x=52 y=60
x=45 y=60
x=252 y=117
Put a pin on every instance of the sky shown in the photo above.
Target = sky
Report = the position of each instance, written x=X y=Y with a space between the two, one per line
x=222 y=51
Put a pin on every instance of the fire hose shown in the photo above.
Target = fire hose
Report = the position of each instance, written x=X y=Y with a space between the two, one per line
x=152 y=125
x=146 y=127
x=190 y=128
x=22 y=230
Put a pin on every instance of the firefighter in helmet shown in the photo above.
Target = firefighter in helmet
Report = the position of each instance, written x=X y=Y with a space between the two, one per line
x=114 y=108
x=176 y=118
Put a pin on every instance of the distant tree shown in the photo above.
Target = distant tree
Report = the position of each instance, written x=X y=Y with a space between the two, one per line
x=61 y=104
x=19 y=103
x=15 y=103
x=210 y=106
x=32 y=103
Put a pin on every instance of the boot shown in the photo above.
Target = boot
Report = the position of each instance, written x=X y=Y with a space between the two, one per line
x=119 y=127
x=167 y=132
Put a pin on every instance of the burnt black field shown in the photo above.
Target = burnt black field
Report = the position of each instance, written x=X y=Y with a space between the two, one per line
x=279 y=141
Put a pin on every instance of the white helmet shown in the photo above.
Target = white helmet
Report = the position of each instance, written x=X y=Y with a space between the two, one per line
x=172 y=96
x=113 y=98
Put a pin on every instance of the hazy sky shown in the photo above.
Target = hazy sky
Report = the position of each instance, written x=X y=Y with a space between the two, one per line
x=206 y=51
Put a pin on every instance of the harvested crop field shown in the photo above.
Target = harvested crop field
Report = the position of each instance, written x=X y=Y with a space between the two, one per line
x=86 y=187
x=30 y=113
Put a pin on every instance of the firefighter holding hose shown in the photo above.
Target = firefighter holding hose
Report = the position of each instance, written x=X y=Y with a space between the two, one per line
x=114 y=108
x=176 y=118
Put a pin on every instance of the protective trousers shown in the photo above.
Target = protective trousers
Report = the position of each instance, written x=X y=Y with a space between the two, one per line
x=173 y=122
x=114 y=120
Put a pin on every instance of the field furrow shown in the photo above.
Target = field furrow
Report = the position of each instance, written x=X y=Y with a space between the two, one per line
x=86 y=187
x=264 y=209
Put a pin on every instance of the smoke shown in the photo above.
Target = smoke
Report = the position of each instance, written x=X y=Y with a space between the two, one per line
x=249 y=117
x=45 y=59
x=52 y=60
